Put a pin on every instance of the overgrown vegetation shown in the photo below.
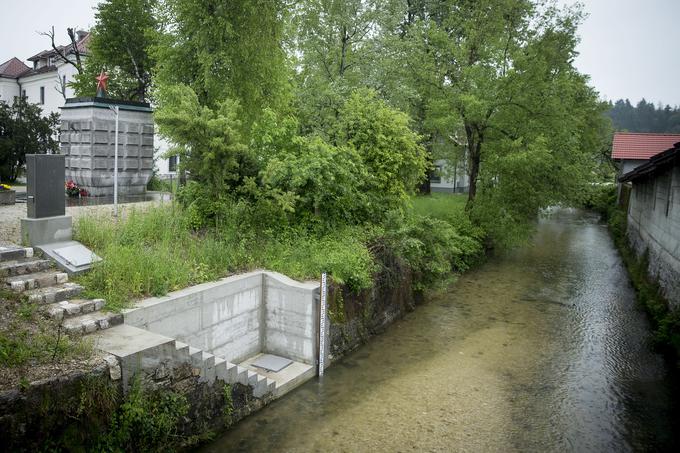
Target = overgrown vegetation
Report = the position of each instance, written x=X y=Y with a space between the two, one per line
x=29 y=339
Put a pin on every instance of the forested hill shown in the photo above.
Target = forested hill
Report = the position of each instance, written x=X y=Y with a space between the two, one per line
x=644 y=117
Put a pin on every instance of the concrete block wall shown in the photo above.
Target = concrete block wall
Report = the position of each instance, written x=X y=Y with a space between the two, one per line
x=87 y=138
x=291 y=318
x=654 y=226
x=238 y=317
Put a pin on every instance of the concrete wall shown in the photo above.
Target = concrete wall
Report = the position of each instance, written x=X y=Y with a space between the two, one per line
x=291 y=314
x=238 y=316
x=654 y=225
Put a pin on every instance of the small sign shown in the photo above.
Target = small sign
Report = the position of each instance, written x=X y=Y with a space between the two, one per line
x=322 y=326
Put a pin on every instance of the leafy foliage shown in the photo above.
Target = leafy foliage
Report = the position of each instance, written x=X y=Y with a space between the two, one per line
x=24 y=130
x=119 y=44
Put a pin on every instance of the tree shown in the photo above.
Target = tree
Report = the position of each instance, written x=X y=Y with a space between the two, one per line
x=24 y=130
x=226 y=50
x=120 y=44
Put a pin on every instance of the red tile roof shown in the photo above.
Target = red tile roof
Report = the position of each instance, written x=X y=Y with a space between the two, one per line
x=12 y=68
x=641 y=146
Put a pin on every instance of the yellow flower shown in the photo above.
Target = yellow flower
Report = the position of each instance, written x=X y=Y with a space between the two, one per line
x=5 y=187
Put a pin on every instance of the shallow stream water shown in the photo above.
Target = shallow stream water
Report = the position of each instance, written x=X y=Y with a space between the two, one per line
x=539 y=350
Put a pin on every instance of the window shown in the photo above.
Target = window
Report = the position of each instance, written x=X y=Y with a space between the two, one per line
x=42 y=95
x=172 y=163
x=436 y=176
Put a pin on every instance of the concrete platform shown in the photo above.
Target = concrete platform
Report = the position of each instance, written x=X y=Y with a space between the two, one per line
x=290 y=377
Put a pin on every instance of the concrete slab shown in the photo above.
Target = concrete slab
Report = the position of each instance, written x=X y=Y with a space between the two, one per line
x=271 y=362
x=290 y=377
x=71 y=256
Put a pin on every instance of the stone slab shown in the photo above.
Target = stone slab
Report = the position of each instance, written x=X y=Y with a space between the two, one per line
x=271 y=362
x=62 y=252
x=46 y=230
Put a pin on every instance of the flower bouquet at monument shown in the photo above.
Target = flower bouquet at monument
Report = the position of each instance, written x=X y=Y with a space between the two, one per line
x=74 y=190
x=4 y=187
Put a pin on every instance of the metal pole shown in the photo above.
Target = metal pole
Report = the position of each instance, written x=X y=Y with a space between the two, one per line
x=115 y=167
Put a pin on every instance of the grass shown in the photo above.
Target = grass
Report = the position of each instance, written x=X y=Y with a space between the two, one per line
x=442 y=206
x=155 y=252
x=29 y=338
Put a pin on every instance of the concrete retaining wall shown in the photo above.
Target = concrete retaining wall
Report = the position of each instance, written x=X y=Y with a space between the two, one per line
x=654 y=226
x=238 y=317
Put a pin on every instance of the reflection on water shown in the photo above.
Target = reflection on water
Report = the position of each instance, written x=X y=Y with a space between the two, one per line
x=539 y=350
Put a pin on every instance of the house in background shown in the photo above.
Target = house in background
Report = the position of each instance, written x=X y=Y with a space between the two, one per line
x=46 y=81
x=632 y=149
x=449 y=177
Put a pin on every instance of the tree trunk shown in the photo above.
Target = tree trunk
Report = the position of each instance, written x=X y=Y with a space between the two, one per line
x=474 y=142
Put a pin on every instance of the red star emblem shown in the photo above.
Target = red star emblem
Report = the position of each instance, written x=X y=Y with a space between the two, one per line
x=102 y=80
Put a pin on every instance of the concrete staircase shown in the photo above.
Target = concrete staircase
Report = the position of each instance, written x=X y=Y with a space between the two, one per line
x=42 y=284
x=140 y=350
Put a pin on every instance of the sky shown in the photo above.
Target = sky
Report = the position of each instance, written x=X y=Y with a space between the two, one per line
x=629 y=48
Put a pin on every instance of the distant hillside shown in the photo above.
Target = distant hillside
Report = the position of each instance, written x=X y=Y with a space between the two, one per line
x=644 y=117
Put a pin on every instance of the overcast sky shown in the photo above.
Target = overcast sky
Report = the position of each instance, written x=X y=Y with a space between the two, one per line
x=628 y=47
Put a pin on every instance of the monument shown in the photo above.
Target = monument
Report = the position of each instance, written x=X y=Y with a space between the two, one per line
x=88 y=141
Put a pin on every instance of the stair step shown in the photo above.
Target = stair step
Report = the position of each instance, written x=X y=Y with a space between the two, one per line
x=260 y=388
x=208 y=374
x=14 y=252
x=182 y=350
x=91 y=322
x=23 y=266
x=241 y=375
x=74 y=307
x=51 y=294
x=35 y=280
x=221 y=369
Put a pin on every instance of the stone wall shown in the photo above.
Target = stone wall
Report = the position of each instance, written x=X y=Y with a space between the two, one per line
x=73 y=412
x=654 y=228
x=87 y=137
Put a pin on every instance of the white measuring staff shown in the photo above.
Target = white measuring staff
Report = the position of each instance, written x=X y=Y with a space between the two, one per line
x=322 y=325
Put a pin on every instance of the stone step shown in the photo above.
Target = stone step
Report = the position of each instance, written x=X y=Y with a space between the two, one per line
x=35 y=280
x=241 y=375
x=261 y=387
x=137 y=350
x=23 y=266
x=74 y=307
x=91 y=322
x=14 y=252
x=221 y=369
x=209 y=373
x=53 y=294
x=182 y=350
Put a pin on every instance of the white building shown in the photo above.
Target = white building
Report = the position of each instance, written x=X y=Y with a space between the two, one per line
x=46 y=83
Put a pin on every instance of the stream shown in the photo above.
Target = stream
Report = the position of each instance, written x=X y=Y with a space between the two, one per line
x=541 y=349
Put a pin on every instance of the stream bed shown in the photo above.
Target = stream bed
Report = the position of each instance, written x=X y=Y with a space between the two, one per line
x=542 y=349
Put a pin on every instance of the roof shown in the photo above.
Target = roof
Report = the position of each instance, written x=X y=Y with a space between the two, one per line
x=660 y=162
x=13 y=68
x=81 y=45
x=641 y=146
x=42 y=70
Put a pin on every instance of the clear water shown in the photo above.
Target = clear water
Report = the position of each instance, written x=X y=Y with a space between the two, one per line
x=540 y=350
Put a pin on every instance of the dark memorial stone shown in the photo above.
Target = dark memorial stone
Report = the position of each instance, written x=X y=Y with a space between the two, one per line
x=45 y=174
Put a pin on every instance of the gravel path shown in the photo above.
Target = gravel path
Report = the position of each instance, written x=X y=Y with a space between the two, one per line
x=10 y=216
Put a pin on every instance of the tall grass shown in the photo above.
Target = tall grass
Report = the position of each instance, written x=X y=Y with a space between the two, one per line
x=155 y=252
